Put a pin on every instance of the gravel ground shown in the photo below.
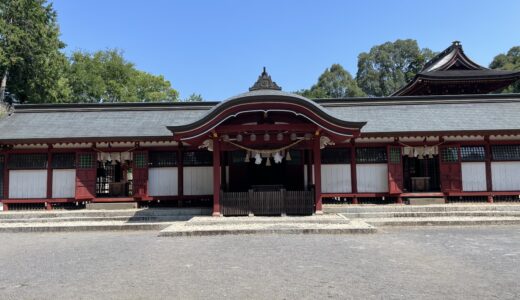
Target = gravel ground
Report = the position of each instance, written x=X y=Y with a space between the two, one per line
x=410 y=263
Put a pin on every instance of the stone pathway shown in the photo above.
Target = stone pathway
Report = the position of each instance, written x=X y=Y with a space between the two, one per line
x=325 y=224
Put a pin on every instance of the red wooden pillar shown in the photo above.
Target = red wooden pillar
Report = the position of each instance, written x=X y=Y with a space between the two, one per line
x=309 y=168
x=48 y=206
x=395 y=172
x=5 y=191
x=180 y=170
x=353 y=171
x=489 y=181
x=216 y=177
x=317 y=174
x=6 y=177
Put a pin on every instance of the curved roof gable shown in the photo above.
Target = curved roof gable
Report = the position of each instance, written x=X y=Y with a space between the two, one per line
x=452 y=72
x=266 y=96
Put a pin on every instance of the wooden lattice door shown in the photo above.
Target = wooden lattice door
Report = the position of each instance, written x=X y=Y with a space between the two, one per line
x=86 y=164
x=140 y=175
x=395 y=170
x=450 y=168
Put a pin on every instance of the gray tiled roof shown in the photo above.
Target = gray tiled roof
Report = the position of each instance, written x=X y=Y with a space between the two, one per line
x=86 y=124
x=434 y=117
x=383 y=115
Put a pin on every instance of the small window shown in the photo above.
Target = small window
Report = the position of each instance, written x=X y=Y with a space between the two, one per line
x=64 y=161
x=395 y=155
x=450 y=154
x=335 y=156
x=27 y=161
x=473 y=153
x=159 y=159
x=86 y=161
x=197 y=158
x=506 y=152
x=371 y=155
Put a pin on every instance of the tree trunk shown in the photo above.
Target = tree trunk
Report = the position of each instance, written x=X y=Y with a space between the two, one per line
x=3 y=86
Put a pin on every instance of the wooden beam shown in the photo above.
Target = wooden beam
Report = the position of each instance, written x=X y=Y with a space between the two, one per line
x=49 y=173
x=216 y=177
x=489 y=180
x=353 y=170
x=295 y=127
x=317 y=174
x=180 y=171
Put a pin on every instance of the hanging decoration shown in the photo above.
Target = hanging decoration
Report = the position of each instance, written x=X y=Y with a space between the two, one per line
x=288 y=156
x=267 y=152
x=258 y=159
x=277 y=158
x=420 y=151
x=259 y=154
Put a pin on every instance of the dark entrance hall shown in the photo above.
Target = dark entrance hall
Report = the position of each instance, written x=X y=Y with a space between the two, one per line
x=244 y=176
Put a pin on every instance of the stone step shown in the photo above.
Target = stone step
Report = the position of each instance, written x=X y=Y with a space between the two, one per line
x=105 y=213
x=100 y=219
x=341 y=208
x=443 y=221
x=228 y=221
x=432 y=214
x=180 y=229
x=111 y=205
x=81 y=226
x=426 y=201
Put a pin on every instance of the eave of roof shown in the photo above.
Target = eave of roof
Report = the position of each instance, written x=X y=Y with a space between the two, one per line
x=265 y=96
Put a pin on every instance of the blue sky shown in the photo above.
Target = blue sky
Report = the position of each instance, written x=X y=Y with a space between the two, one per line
x=218 y=48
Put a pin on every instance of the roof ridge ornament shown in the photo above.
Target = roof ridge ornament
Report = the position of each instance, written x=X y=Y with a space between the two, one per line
x=265 y=82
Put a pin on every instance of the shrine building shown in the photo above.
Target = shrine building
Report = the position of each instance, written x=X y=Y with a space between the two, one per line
x=443 y=135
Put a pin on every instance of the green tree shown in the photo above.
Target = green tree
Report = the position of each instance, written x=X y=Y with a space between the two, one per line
x=106 y=76
x=31 y=64
x=509 y=61
x=194 y=98
x=389 y=66
x=335 y=82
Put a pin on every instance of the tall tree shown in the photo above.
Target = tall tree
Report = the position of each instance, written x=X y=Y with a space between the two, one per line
x=31 y=64
x=508 y=61
x=389 y=66
x=194 y=98
x=335 y=82
x=106 y=76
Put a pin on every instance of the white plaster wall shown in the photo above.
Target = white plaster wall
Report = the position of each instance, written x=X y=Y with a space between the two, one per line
x=372 y=178
x=26 y=184
x=505 y=175
x=473 y=176
x=163 y=181
x=198 y=180
x=64 y=183
x=335 y=178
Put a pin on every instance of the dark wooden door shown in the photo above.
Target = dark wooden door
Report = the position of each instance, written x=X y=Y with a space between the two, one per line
x=450 y=168
x=140 y=174
x=395 y=170
x=86 y=164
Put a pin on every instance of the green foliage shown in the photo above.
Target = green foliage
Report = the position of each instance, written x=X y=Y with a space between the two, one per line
x=194 y=98
x=389 y=66
x=105 y=76
x=335 y=82
x=509 y=61
x=30 y=56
